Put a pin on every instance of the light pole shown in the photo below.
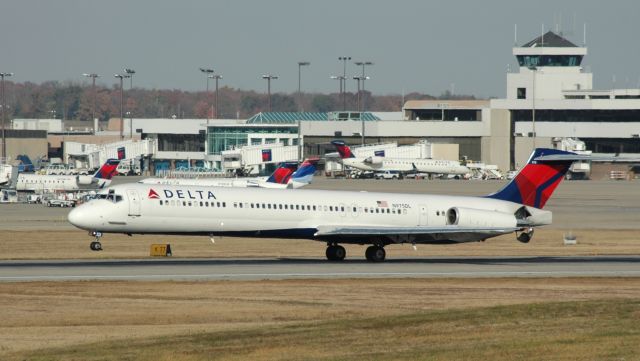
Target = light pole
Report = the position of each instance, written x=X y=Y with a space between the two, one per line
x=344 y=60
x=121 y=77
x=534 y=70
x=358 y=79
x=207 y=72
x=300 y=65
x=340 y=79
x=363 y=64
x=93 y=77
x=269 y=77
x=4 y=106
x=130 y=72
x=216 y=77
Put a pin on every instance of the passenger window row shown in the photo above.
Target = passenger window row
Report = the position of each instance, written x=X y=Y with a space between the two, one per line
x=280 y=206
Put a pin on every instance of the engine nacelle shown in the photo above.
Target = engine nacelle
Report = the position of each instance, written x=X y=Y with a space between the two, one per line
x=374 y=160
x=84 y=179
x=470 y=217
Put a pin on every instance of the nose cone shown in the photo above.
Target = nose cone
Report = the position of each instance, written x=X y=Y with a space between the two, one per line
x=81 y=217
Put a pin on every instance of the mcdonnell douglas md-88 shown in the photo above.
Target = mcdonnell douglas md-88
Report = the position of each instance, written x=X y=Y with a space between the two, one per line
x=333 y=217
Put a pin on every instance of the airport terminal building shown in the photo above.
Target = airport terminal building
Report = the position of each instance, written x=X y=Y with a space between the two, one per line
x=549 y=97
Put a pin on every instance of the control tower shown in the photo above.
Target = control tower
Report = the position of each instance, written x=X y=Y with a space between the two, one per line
x=550 y=64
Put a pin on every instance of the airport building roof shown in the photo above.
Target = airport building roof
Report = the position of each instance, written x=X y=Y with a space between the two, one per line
x=293 y=117
x=550 y=39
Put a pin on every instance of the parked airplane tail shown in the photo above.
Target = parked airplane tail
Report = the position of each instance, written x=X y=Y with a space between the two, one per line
x=283 y=173
x=534 y=184
x=305 y=172
x=108 y=169
x=25 y=163
x=343 y=149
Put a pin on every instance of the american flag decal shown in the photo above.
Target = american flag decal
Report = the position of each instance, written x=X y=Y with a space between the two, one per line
x=382 y=204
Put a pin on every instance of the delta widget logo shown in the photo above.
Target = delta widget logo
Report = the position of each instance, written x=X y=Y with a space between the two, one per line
x=153 y=194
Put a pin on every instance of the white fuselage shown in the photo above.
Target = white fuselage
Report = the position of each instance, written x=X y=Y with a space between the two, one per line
x=53 y=183
x=407 y=165
x=214 y=182
x=166 y=209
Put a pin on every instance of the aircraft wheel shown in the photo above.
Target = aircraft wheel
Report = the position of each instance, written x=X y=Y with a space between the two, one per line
x=95 y=246
x=340 y=253
x=336 y=253
x=375 y=254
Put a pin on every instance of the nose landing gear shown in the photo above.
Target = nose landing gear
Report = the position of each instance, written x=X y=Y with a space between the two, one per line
x=96 y=245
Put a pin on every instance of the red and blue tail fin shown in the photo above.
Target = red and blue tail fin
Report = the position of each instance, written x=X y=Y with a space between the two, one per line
x=343 y=149
x=534 y=184
x=305 y=172
x=283 y=173
x=108 y=169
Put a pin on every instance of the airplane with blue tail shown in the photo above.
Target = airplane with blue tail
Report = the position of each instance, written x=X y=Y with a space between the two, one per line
x=287 y=175
x=333 y=217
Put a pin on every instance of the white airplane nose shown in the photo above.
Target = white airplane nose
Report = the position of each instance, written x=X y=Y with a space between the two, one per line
x=79 y=217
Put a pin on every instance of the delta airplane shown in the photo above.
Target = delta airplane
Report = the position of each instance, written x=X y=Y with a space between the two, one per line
x=334 y=217
x=287 y=175
x=68 y=183
x=375 y=163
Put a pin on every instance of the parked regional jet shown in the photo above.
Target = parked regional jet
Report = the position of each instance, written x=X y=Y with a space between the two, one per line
x=287 y=175
x=375 y=163
x=52 y=183
x=334 y=217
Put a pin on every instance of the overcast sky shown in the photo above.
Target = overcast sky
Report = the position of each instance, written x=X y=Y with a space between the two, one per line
x=416 y=45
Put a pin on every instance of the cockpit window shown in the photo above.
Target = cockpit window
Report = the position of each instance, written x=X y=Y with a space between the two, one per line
x=115 y=198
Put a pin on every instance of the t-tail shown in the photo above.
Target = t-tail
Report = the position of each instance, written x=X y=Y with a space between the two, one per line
x=343 y=149
x=305 y=172
x=283 y=173
x=534 y=184
x=106 y=172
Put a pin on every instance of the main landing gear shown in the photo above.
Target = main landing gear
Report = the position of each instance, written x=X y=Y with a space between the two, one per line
x=96 y=245
x=375 y=253
x=336 y=252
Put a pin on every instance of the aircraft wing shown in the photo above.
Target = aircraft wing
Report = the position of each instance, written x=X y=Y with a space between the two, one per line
x=341 y=230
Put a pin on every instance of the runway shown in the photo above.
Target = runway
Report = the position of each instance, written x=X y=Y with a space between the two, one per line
x=287 y=268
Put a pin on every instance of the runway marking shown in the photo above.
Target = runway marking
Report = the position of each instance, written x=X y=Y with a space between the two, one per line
x=346 y=274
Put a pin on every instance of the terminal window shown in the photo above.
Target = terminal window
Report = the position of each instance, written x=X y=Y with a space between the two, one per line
x=522 y=93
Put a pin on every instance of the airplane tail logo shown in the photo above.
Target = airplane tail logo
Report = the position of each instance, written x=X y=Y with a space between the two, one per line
x=305 y=173
x=108 y=169
x=283 y=173
x=343 y=149
x=534 y=184
x=153 y=194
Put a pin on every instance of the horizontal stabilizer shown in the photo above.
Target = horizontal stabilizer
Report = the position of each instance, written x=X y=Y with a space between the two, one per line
x=586 y=157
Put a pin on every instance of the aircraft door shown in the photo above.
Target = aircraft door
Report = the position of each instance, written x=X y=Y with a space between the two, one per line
x=134 y=202
x=422 y=215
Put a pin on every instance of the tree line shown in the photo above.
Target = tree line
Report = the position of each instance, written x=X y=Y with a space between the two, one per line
x=74 y=101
